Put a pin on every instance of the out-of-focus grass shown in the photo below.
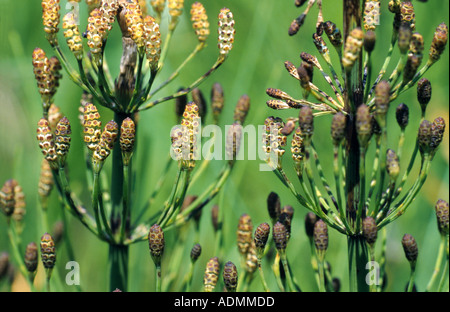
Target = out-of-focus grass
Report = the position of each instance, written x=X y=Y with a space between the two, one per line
x=261 y=46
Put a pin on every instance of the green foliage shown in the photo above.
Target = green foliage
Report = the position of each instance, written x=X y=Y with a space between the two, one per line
x=261 y=46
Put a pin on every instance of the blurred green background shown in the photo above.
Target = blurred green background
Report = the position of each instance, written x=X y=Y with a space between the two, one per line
x=256 y=62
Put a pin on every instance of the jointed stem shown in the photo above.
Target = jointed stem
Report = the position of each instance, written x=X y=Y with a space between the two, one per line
x=321 y=276
x=125 y=207
x=158 y=277
x=362 y=188
x=411 y=279
x=404 y=203
x=287 y=272
x=437 y=266
x=261 y=275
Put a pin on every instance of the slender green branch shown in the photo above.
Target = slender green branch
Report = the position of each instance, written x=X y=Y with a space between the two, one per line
x=337 y=179
x=157 y=189
x=437 y=266
x=287 y=272
x=125 y=208
x=385 y=64
x=216 y=65
x=64 y=190
x=261 y=275
x=16 y=254
x=381 y=186
x=401 y=207
x=158 y=277
x=321 y=276
x=95 y=206
x=175 y=74
x=444 y=276
x=411 y=279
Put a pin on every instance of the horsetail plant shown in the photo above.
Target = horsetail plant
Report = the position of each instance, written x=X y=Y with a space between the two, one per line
x=360 y=105
x=374 y=178
x=144 y=52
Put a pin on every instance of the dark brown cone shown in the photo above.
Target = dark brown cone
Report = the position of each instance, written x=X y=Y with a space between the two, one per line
x=338 y=126
x=31 y=257
x=370 y=230
x=241 y=109
x=273 y=206
x=196 y=251
x=230 y=276
x=437 y=133
x=424 y=93
x=156 y=243
x=261 y=236
x=280 y=236
x=410 y=247
x=217 y=100
x=215 y=217
x=424 y=137
x=369 y=41
x=363 y=125
x=180 y=104
x=402 y=115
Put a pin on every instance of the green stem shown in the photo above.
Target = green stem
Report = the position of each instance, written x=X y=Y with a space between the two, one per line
x=158 y=277
x=95 y=206
x=386 y=62
x=118 y=267
x=125 y=207
x=381 y=186
x=357 y=256
x=261 y=275
x=137 y=84
x=337 y=179
x=169 y=203
x=321 y=276
x=411 y=279
x=368 y=77
x=73 y=75
x=165 y=48
x=64 y=190
x=188 y=278
x=362 y=188
x=118 y=254
x=444 y=277
x=382 y=260
x=287 y=272
x=197 y=49
x=276 y=272
x=156 y=190
x=314 y=261
x=16 y=253
x=437 y=266
x=411 y=163
x=324 y=180
x=401 y=207
x=403 y=87
x=216 y=65
x=90 y=88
